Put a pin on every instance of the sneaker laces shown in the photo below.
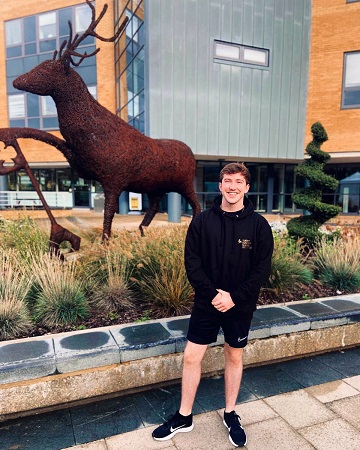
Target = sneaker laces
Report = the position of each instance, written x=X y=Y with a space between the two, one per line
x=235 y=424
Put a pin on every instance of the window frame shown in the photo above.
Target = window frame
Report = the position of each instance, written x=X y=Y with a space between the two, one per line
x=240 y=60
x=352 y=88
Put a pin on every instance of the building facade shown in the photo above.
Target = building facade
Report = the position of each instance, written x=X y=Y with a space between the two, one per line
x=235 y=80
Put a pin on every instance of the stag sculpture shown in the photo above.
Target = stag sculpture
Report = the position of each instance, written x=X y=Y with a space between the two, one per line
x=99 y=144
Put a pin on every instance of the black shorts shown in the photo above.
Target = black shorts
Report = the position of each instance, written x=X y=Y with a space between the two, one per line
x=204 y=328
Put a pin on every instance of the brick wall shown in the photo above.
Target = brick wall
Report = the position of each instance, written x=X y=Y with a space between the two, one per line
x=335 y=30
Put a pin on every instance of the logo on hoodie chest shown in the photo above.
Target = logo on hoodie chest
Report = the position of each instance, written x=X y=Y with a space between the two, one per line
x=245 y=244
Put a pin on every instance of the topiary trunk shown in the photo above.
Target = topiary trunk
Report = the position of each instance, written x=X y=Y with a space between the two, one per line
x=310 y=197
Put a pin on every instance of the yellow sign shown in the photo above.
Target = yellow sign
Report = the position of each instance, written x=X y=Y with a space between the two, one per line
x=134 y=203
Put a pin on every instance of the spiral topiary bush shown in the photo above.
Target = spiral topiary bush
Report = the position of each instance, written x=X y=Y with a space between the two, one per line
x=310 y=197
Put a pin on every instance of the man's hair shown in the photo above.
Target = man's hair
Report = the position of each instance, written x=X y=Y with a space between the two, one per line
x=232 y=168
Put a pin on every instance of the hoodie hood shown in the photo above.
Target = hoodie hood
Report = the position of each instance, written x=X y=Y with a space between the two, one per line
x=247 y=209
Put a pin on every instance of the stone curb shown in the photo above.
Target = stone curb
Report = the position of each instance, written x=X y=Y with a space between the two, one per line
x=41 y=373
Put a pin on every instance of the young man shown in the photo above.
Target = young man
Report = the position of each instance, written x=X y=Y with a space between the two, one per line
x=228 y=252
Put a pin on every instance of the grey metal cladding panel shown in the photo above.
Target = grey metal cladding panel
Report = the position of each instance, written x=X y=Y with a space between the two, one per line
x=169 y=48
x=192 y=48
x=229 y=110
x=179 y=75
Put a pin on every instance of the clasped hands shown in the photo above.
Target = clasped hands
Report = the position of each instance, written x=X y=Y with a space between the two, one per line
x=223 y=301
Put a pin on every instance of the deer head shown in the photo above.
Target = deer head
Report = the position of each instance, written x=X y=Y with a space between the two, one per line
x=48 y=76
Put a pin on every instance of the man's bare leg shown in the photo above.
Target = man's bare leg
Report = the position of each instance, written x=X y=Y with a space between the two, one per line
x=233 y=375
x=191 y=375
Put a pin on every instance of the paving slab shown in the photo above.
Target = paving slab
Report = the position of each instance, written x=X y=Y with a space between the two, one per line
x=209 y=433
x=268 y=381
x=347 y=363
x=332 y=435
x=21 y=361
x=335 y=390
x=97 y=445
x=36 y=434
x=277 y=432
x=353 y=381
x=348 y=409
x=313 y=373
x=85 y=351
x=291 y=407
x=136 y=440
x=253 y=412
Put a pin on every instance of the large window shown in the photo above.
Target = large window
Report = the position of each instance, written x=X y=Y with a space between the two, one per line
x=33 y=39
x=129 y=64
x=351 y=82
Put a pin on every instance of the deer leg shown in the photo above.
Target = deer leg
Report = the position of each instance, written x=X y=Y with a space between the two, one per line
x=194 y=202
x=110 y=207
x=154 y=201
x=58 y=234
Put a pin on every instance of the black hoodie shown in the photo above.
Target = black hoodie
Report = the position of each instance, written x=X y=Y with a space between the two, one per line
x=228 y=251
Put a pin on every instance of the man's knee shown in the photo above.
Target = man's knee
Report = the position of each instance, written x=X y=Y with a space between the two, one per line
x=233 y=355
x=194 y=353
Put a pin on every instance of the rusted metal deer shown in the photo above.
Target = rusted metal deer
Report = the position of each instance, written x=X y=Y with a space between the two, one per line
x=100 y=145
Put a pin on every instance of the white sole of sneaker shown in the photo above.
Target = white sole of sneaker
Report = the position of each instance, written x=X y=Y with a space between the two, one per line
x=180 y=430
x=233 y=443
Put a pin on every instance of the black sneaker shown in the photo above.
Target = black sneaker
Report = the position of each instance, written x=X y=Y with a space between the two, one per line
x=237 y=434
x=175 y=424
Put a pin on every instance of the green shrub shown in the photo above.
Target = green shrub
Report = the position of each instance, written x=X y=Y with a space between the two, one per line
x=60 y=299
x=160 y=275
x=26 y=237
x=113 y=291
x=14 y=286
x=337 y=263
x=309 y=198
x=288 y=268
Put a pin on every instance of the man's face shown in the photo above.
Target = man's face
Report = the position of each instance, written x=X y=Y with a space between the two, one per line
x=233 y=188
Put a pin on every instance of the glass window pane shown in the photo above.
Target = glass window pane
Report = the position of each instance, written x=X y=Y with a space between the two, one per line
x=47 y=25
x=352 y=75
x=32 y=102
x=64 y=16
x=13 y=33
x=16 y=106
x=255 y=56
x=352 y=98
x=13 y=52
x=88 y=74
x=47 y=180
x=17 y=123
x=48 y=45
x=34 y=123
x=14 y=67
x=48 y=107
x=24 y=182
x=30 y=49
x=93 y=91
x=30 y=62
x=50 y=123
x=82 y=18
x=63 y=179
x=227 y=51
x=30 y=29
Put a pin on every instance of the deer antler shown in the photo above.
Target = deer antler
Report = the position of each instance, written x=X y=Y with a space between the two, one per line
x=73 y=43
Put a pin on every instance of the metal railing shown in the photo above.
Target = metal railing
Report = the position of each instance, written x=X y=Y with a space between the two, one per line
x=31 y=200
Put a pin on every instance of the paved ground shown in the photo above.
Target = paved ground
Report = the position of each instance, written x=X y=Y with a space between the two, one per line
x=311 y=403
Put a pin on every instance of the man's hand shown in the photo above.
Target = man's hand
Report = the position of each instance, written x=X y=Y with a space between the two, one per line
x=223 y=301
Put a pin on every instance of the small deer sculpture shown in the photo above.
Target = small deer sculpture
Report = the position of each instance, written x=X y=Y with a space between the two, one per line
x=103 y=147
